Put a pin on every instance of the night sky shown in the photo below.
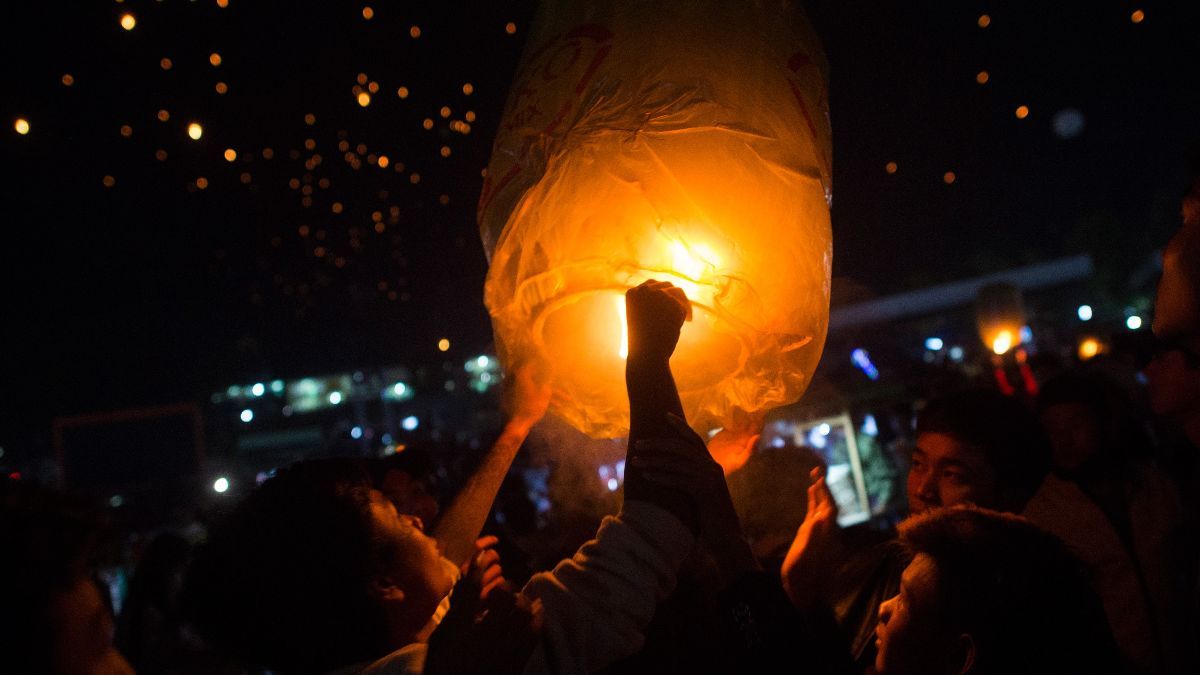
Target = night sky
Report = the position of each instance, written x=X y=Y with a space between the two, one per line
x=144 y=267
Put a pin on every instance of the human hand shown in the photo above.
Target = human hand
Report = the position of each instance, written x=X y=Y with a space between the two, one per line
x=489 y=629
x=483 y=570
x=731 y=448
x=815 y=549
x=655 y=312
x=526 y=394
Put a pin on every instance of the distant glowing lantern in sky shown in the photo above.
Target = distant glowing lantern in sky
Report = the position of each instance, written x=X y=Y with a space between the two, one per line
x=1000 y=315
x=702 y=158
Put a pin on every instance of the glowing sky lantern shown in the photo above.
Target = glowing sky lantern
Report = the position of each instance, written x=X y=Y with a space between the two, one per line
x=1000 y=315
x=687 y=141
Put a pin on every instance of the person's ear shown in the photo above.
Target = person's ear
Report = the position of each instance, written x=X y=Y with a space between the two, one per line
x=386 y=591
x=963 y=657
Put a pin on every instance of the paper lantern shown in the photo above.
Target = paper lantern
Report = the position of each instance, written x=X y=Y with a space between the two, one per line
x=1000 y=315
x=686 y=141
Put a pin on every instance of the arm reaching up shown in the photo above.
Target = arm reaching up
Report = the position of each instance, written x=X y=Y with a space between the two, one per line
x=655 y=311
x=527 y=396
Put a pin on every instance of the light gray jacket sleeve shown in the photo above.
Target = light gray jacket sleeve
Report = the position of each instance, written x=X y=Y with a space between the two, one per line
x=596 y=604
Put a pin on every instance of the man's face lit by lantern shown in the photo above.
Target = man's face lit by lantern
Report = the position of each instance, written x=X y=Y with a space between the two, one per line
x=947 y=472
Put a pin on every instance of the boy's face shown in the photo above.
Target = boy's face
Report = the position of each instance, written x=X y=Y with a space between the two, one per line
x=948 y=472
x=911 y=637
x=419 y=569
x=1075 y=433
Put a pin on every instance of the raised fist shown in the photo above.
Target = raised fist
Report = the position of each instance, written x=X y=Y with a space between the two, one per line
x=655 y=311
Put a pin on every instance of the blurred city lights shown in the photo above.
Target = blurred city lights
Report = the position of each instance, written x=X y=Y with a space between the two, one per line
x=1134 y=322
x=247 y=415
x=862 y=360
x=1089 y=348
x=221 y=485
x=335 y=397
x=410 y=423
x=869 y=426
x=1084 y=312
x=934 y=344
x=258 y=389
x=21 y=125
x=443 y=345
x=128 y=21
x=356 y=433
x=195 y=131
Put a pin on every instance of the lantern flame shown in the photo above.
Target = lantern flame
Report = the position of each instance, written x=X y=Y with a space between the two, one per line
x=1003 y=342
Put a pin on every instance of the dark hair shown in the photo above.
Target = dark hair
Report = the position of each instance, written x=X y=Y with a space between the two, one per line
x=1025 y=599
x=285 y=581
x=1005 y=431
x=1109 y=404
x=50 y=543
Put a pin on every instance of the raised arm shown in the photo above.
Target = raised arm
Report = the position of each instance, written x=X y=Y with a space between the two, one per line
x=528 y=397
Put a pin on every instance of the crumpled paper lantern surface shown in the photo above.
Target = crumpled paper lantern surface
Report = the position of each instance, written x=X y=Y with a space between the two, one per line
x=682 y=141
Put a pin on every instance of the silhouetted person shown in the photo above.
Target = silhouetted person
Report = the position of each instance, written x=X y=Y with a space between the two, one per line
x=53 y=618
x=986 y=593
x=976 y=447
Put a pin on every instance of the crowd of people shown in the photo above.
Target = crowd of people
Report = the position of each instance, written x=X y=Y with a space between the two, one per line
x=1041 y=539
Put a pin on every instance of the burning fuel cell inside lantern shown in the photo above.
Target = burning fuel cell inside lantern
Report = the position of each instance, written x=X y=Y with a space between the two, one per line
x=622 y=157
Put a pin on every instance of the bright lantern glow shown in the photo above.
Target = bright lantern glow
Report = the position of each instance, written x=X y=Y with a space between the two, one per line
x=128 y=21
x=725 y=195
x=21 y=125
x=1002 y=342
x=1089 y=348
x=443 y=345
x=221 y=485
x=195 y=131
